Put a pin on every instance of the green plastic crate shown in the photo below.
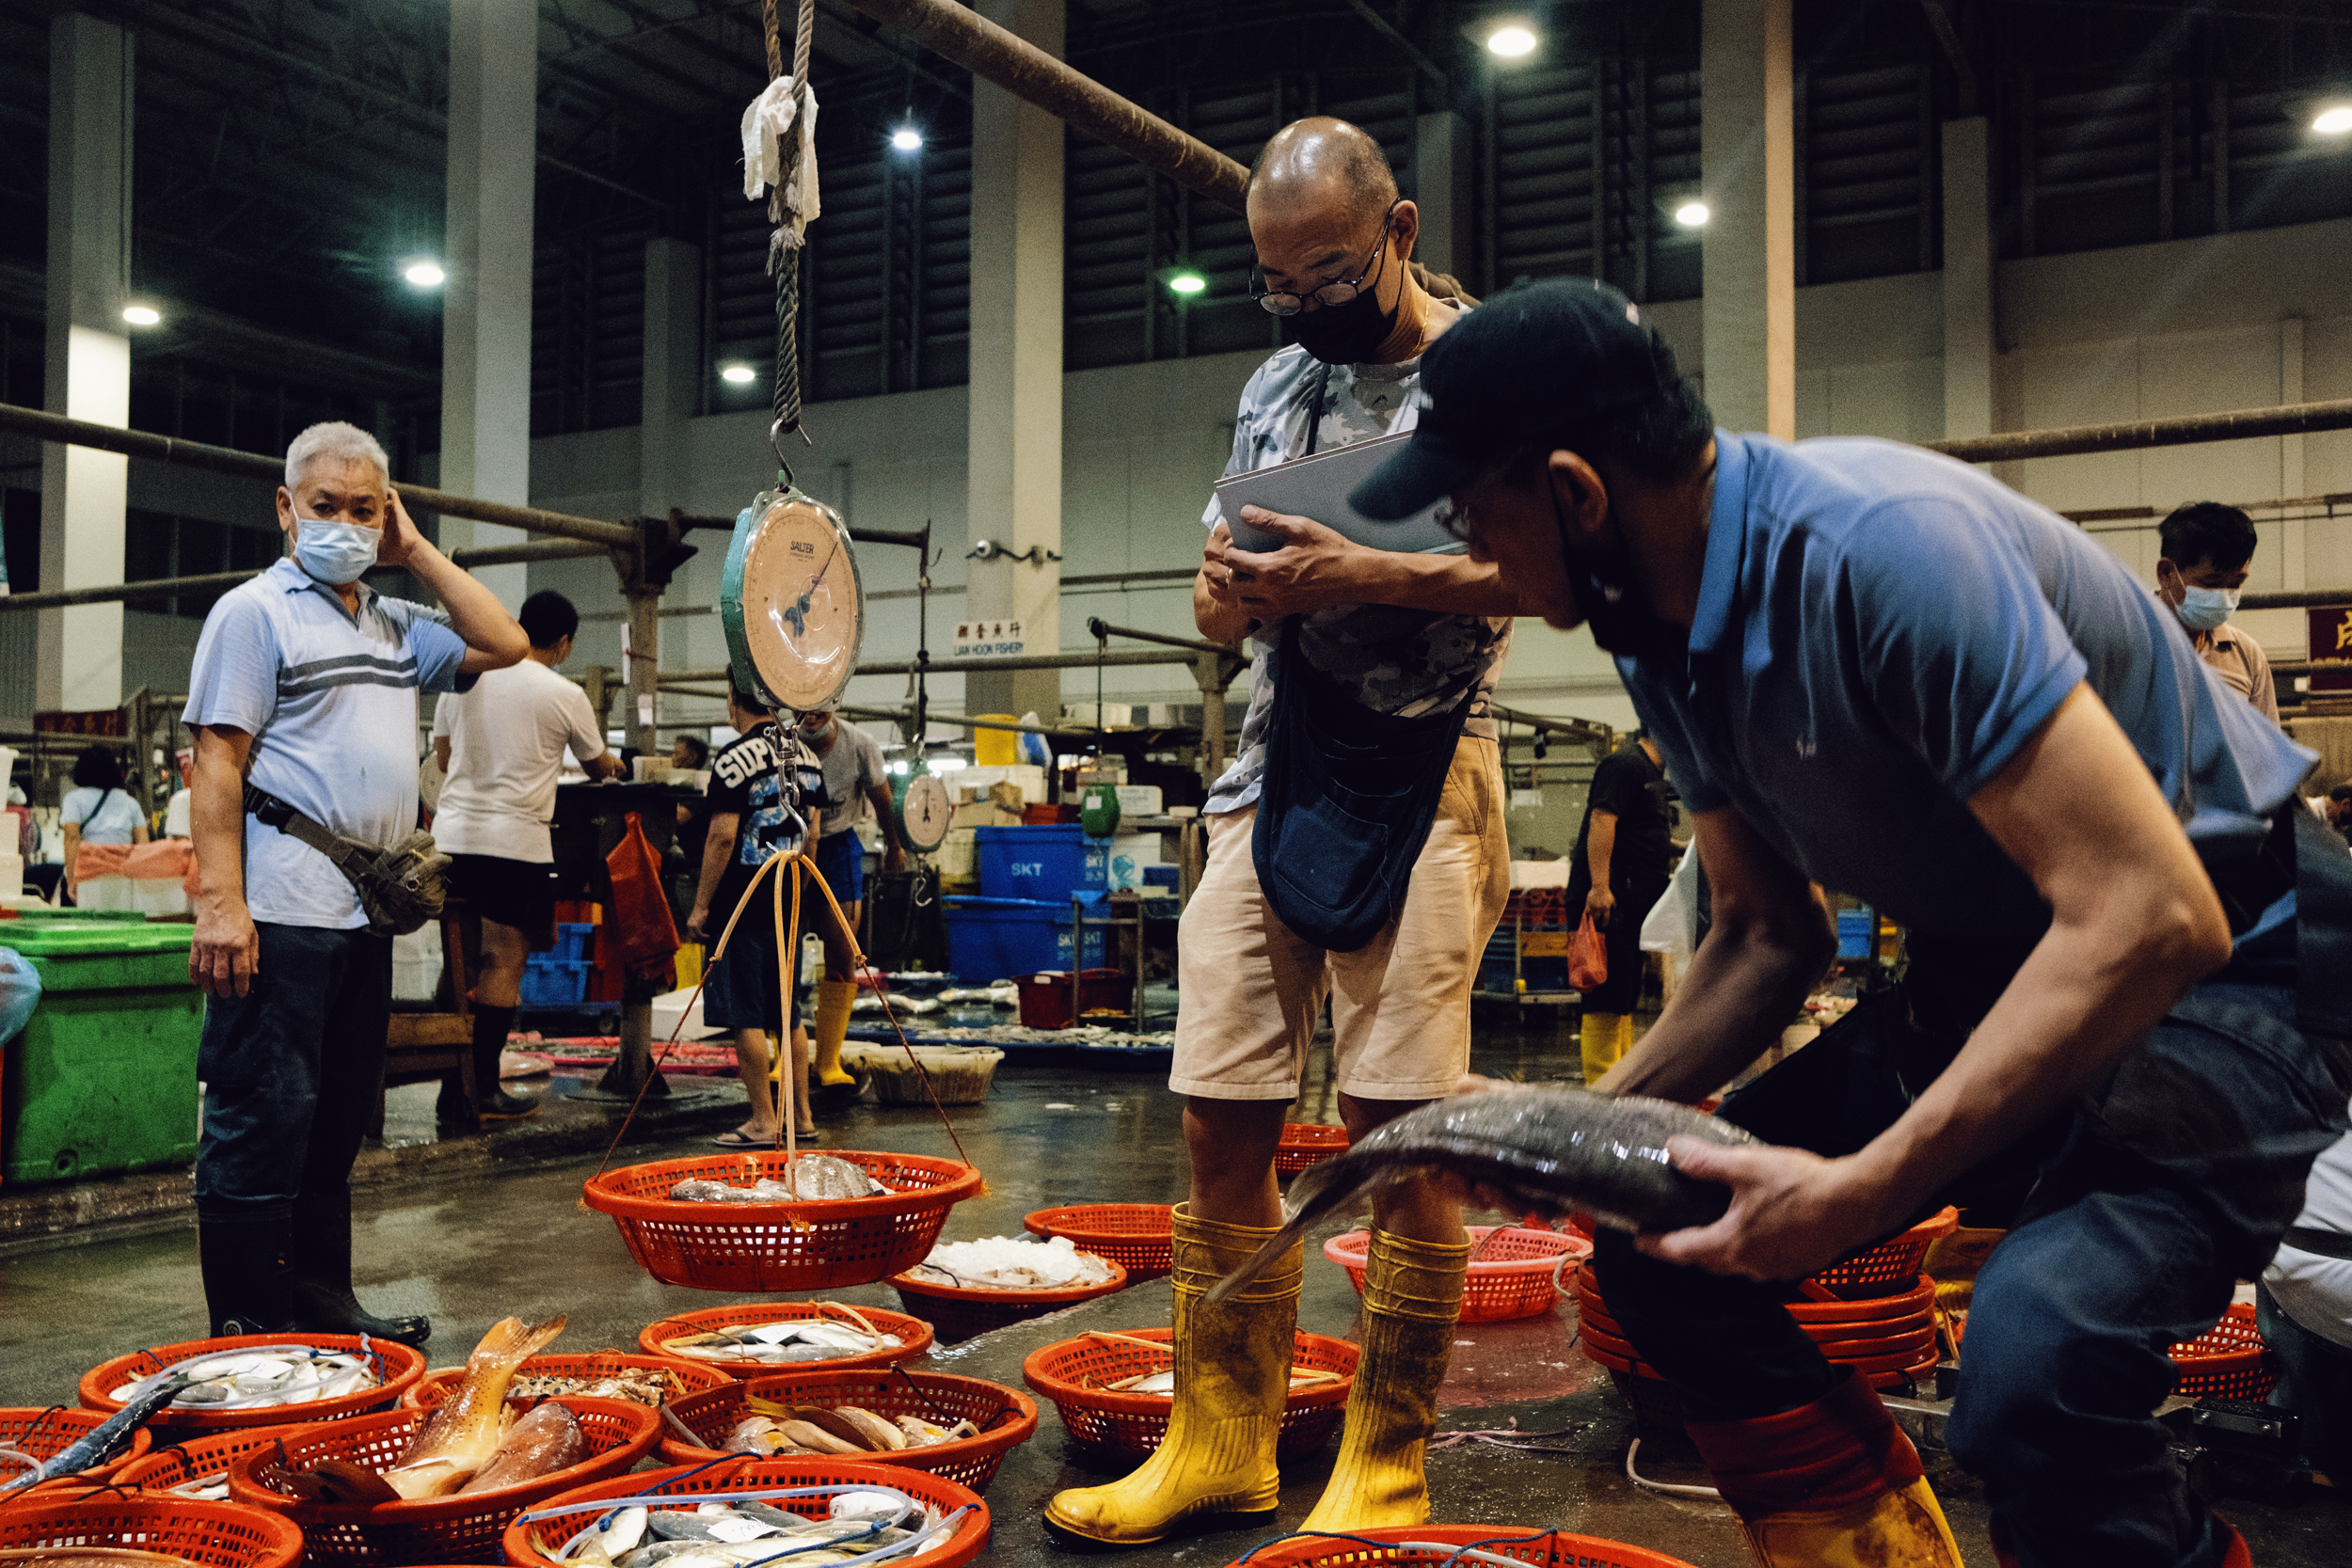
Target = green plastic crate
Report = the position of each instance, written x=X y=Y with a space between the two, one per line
x=103 y=1079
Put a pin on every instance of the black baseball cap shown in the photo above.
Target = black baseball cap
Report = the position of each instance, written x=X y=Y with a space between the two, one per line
x=1536 y=360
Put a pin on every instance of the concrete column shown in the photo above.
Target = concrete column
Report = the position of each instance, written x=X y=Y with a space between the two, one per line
x=1968 y=277
x=485 y=313
x=672 y=390
x=1015 y=466
x=1442 y=171
x=1747 y=169
x=83 y=493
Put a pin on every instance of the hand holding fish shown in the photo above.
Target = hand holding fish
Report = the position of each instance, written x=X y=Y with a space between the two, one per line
x=1792 y=1212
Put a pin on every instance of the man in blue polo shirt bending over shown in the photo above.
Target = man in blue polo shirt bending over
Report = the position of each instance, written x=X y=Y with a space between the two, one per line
x=306 y=683
x=2122 y=1034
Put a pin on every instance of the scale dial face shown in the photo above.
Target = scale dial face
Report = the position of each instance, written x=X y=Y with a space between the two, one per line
x=801 y=610
x=924 y=812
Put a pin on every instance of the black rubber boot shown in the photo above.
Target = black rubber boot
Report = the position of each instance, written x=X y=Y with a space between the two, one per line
x=246 y=1289
x=491 y=1026
x=318 y=1258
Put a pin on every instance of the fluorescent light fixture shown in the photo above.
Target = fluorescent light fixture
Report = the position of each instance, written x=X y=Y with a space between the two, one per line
x=740 y=376
x=906 y=139
x=1512 y=41
x=1690 y=214
x=1186 y=283
x=425 y=275
x=2335 y=120
x=141 y=315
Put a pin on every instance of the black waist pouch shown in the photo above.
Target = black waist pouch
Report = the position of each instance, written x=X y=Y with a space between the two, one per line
x=1346 y=803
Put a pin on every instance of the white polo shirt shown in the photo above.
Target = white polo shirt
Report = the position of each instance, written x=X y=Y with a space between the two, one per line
x=330 y=700
x=507 y=737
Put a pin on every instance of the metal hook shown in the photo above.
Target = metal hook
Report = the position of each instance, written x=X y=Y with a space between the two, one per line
x=775 y=444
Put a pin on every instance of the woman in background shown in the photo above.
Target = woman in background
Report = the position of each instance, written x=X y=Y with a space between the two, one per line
x=98 y=809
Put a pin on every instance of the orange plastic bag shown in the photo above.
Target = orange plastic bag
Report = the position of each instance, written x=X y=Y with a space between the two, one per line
x=641 y=923
x=1588 y=957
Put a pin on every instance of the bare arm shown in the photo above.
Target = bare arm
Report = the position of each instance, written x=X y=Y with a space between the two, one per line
x=718 y=844
x=604 y=765
x=1319 y=567
x=1600 y=843
x=2134 y=925
x=894 y=852
x=1217 y=607
x=225 y=952
x=72 y=852
x=440 y=751
x=138 y=831
x=492 y=638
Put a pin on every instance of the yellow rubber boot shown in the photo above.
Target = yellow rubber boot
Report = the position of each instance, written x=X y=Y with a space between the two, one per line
x=1953 y=1262
x=1232 y=1369
x=832 y=1028
x=1604 y=1037
x=1412 y=1295
x=1830 y=1485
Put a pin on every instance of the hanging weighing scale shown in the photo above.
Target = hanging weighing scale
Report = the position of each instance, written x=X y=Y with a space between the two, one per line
x=791 y=602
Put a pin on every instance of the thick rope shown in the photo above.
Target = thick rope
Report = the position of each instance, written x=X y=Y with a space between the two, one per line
x=784 y=260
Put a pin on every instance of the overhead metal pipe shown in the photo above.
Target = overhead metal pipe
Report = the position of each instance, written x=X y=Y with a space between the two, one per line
x=252 y=465
x=2297 y=598
x=957 y=667
x=2296 y=419
x=1099 y=628
x=207 y=583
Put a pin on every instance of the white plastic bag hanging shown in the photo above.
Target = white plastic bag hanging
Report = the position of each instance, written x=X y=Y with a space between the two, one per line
x=19 y=992
x=783 y=110
x=1672 y=926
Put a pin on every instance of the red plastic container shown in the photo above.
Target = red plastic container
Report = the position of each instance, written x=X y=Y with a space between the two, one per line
x=1513 y=1273
x=1045 y=995
x=401 y=1366
x=1138 y=1237
x=1548 y=1549
x=914 y=1333
x=2228 y=1361
x=957 y=1313
x=1073 y=1374
x=48 y=1432
x=1304 y=1143
x=685 y=1376
x=1006 y=1416
x=218 y=1535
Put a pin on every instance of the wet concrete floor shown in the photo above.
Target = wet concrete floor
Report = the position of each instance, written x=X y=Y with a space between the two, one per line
x=471 y=1247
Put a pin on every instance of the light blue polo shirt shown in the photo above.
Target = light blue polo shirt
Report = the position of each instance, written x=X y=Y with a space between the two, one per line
x=330 y=700
x=1880 y=630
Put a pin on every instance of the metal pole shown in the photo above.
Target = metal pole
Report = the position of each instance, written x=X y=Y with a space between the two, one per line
x=644 y=667
x=2296 y=598
x=1214 y=675
x=205 y=582
x=2237 y=424
x=1099 y=628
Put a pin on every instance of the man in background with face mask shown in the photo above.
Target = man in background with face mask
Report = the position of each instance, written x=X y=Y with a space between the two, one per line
x=1376 y=636
x=304 y=681
x=2201 y=573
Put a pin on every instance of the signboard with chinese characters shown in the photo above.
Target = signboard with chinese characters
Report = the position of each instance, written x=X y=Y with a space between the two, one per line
x=2331 y=639
x=988 y=640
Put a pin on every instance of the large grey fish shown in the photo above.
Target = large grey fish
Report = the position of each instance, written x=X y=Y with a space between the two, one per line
x=1547 y=1150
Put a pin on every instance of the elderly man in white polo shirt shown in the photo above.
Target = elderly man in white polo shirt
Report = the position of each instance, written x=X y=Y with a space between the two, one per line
x=306 y=683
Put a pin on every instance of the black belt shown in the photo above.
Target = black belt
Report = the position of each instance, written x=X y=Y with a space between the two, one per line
x=2328 y=1243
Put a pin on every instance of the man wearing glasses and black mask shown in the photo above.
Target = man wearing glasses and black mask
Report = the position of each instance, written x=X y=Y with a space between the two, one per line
x=1390 y=658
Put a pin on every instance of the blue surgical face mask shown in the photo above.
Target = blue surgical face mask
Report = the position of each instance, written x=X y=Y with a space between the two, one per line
x=2206 y=608
x=333 y=552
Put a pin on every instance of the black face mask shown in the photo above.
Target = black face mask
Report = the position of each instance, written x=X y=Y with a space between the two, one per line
x=1614 y=607
x=1346 y=334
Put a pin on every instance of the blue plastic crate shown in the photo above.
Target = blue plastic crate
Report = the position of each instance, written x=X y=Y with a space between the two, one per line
x=1044 y=863
x=1857 y=933
x=1160 y=875
x=554 y=982
x=574 y=941
x=988 y=938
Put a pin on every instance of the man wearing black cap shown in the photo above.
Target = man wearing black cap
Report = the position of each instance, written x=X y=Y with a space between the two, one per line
x=2122 y=1032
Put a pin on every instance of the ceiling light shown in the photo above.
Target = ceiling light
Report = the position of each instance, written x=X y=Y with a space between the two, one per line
x=740 y=375
x=141 y=315
x=906 y=139
x=1512 y=41
x=2333 y=120
x=1186 y=283
x=425 y=275
x=1690 y=214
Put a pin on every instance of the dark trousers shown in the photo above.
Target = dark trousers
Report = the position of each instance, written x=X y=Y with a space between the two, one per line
x=290 y=1073
x=2135 y=1212
x=2315 y=1381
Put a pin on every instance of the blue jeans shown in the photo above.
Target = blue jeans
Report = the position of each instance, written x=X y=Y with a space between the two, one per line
x=291 y=1073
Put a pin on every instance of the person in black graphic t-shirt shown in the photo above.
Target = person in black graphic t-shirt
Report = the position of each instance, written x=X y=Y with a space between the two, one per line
x=766 y=792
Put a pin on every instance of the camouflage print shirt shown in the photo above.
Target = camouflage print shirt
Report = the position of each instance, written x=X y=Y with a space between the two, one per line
x=1409 y=663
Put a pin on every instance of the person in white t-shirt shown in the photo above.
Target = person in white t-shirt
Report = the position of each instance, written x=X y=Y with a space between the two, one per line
x=502 y=745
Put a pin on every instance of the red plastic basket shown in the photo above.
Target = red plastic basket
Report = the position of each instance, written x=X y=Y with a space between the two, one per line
x=218 y=1535
x=47 y=1433
x=195 y=1458
x=957 y=1313
x=1006 y=1417
x=534 y=1544
x=1138 y=1237
x=1892 y=1266
x=1071 y=1373
x=760 y=1249
x=460 y=1529
x=401 y=1366
x=685 y=1377
x=1303 y=1143
x=914 y=1333
x=2228 y=1361
x=1513 y=1273
x=1548 y=1549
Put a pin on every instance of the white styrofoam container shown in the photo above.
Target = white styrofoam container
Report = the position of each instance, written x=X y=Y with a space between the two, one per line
x=1122 y=857
x=1138 y=799
x=417 y=963
x=959 y=856
x=1030 y=777
x=1539 y=874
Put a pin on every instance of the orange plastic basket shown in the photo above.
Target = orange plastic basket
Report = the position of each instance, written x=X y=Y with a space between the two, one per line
x=1303 y=1143
x=685 y=1377
x=400 y=1367
x=957 y=1313
x=1138 y=1237
x=1548 y=1549
x=47 y=1433
x=1891 y=1267
x=760 y=1249
x=218 y=1535
x=1073 y=1374
x=534 y=1542
x=1006 y=1417
x=1513 y=1273
x=194 y=1459
x=2228 y=1361
x=914 y=1333
x=465 y=1528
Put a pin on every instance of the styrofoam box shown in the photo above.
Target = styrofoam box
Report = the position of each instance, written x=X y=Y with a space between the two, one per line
x=1540 y=873
x=959 y=854
x=1030 y=777
x=1121 y=859
x=1139 y=800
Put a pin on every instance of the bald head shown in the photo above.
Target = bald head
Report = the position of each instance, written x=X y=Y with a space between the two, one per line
x=1320 y=158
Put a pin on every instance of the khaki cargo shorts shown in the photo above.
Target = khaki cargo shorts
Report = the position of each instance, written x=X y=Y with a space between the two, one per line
x=1249 y=992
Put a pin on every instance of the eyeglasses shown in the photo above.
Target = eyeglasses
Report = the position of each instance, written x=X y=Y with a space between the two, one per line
x=1280 y=303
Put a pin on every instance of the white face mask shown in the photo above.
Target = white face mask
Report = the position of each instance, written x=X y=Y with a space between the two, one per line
x=2206 y=608
x=334 y=552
